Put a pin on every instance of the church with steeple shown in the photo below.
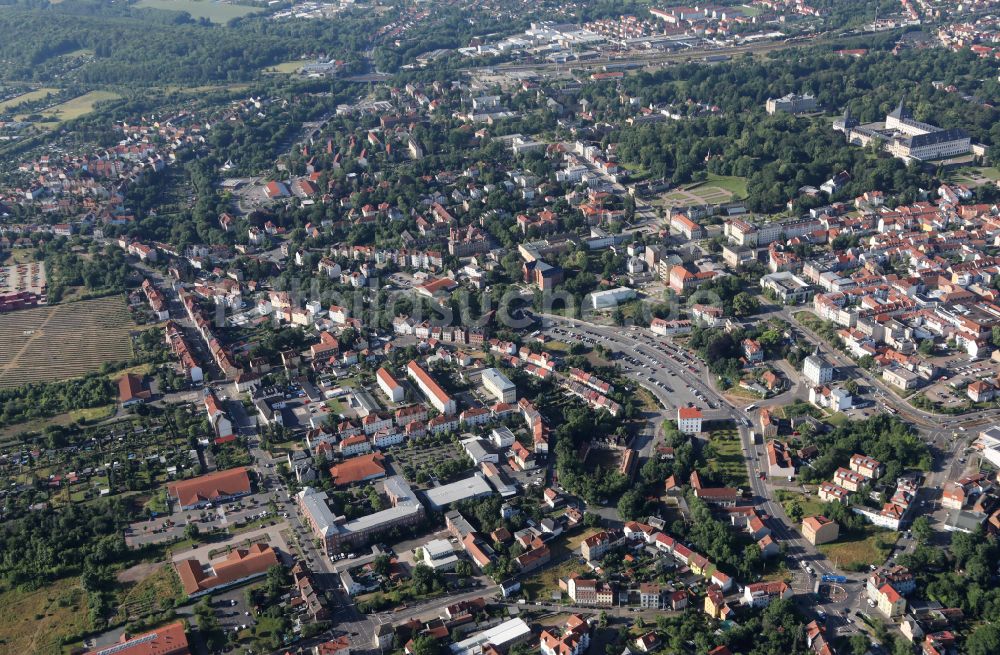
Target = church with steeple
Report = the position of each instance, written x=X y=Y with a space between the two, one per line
x=904 y=137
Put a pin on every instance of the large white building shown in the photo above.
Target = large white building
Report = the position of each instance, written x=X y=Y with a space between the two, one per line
x=791 y=104
x=501 y=636
x=441 y=401
x=906 y=138
x=817 y=370
x=472 y=487
x=611 y=297
x=499 y=385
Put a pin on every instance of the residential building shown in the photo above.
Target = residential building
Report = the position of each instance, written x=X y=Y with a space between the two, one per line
x=573 y=639
x=441 y=401
x=760 y=594
x=779 y=460
x=689 y=420
x=866 y=466
x=389 y=385
x=819 y=530
x=816 y=370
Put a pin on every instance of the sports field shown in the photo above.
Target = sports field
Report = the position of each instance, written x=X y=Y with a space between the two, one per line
x=45 y=344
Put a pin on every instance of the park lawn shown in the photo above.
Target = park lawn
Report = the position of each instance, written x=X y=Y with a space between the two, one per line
x=78 y=106
x=286 y=67
x=858 y=551
x=991 y=172
x=838 y=419
x=217 y=12
x=30 y=96
x=728 y=461
x=22 y=255
x=138 y=369
x=731 y=183
x=37 y=621
x=557 y=346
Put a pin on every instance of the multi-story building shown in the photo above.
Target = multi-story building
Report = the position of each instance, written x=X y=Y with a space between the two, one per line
x=866 y=466
x=499 y=385
x=389 y=385
x=816 y=370
x=791 y=104
x=904 y=137
x=441 y=401
x=689 y=420
x=573 y=640
x=760 y=594
x=337 y=533
x=819 y=530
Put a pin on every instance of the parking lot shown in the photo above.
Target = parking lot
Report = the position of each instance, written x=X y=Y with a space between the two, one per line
x=949 y=390
x=166 y=528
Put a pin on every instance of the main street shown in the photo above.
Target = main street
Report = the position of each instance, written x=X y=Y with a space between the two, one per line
x=688 y=378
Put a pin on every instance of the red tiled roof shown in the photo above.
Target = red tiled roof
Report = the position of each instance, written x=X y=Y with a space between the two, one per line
x=220 y=484
x=239 y=564
x=167 y=640
x=357 y=469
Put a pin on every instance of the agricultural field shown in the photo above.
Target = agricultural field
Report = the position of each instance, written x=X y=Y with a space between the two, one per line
x=217 y=12
x=45 y=344
x=37 y=621
x=77 y=107
x=30 y=96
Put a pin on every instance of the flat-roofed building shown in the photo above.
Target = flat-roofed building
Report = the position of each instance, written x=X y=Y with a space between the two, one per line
x=337 y=532
x=501 y=637
x=475 y=486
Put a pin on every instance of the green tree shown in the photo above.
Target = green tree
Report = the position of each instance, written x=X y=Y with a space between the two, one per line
x=984 y=640
x=922 y=529
x=426 y=645
x=745 y=304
